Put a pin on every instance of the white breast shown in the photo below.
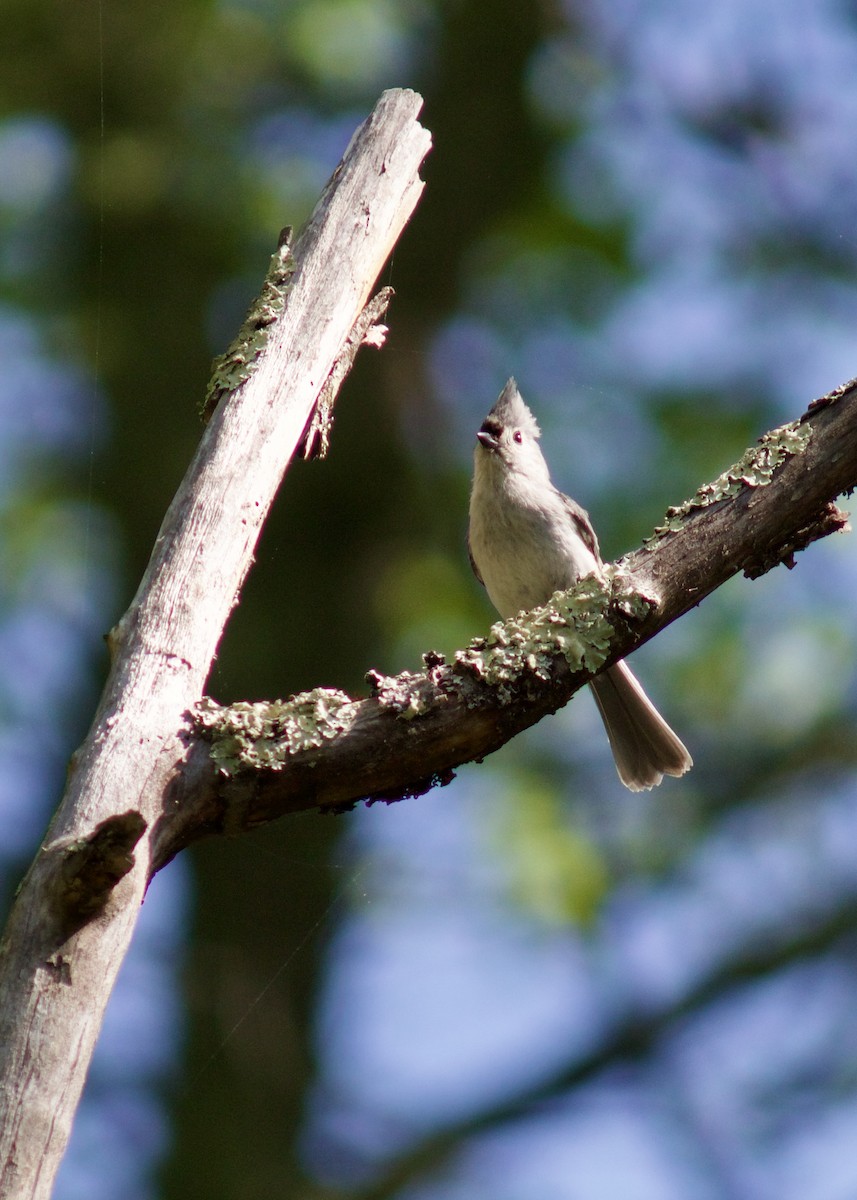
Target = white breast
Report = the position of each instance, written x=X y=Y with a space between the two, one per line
x=525 y=549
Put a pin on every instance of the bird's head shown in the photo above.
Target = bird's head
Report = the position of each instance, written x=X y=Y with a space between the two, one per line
x=508 y=438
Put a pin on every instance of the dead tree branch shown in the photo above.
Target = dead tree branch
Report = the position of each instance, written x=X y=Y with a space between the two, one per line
x=250 y=764
x=67 y=934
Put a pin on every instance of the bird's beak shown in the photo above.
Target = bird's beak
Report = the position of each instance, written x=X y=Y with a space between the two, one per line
x=488 y=440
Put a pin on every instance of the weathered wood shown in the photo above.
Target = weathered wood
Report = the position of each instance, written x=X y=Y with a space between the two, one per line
x=54 y=984
x=420 y=726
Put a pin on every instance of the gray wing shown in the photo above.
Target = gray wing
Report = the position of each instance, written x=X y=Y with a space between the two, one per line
x=580 y=519
x=473 y=562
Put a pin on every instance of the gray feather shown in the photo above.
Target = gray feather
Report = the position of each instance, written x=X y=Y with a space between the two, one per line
x=526 y=540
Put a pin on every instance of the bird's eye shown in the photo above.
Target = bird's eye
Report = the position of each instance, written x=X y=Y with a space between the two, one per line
x=517 y=436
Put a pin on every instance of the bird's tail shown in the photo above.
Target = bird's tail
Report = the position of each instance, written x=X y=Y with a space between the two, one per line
x=643 y=745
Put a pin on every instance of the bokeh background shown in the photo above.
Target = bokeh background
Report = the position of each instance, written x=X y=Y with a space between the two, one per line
x=530 y=985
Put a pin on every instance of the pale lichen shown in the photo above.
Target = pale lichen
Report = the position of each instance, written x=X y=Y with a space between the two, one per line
x=266 y=734
x=236 y=365
x=403 y=694
x=837 y=394
x=575 y=624
x=754 y=469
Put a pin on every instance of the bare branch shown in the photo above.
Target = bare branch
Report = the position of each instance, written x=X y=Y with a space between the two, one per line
x=366 y=332
x=54 y=985
x=253 y=763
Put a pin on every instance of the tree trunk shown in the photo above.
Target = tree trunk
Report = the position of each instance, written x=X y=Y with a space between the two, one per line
x=76 y=909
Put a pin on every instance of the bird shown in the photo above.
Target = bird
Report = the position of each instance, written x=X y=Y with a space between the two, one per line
x=527 y=540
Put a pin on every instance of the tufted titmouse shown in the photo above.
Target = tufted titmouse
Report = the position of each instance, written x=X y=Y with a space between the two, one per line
x=527 y=540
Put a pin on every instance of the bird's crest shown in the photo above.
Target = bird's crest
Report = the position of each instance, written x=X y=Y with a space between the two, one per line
x=511 y=412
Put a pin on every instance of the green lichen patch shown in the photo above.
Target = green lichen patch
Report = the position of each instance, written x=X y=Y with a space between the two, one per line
x=236 y=365
x=403 y=694
x=266 y=734
x=625 y=596
x=575 y=624
x=754 y=469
